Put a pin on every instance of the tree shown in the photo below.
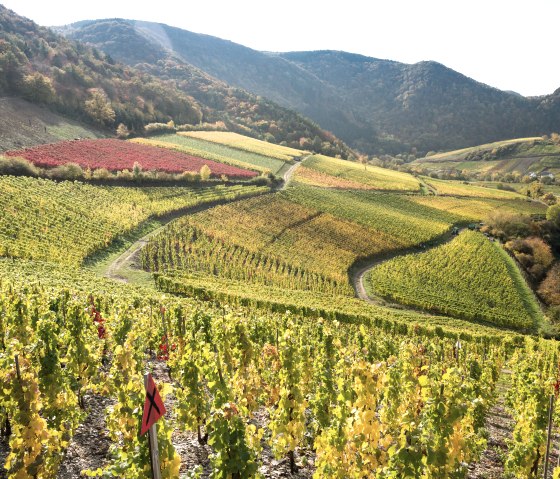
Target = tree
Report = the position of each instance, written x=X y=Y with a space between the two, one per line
x=553 y=214
x=99 y=109
x=535 y=189
x=549 y=198
x=205 y=172
x=38 y=88
x=136 y=171
x=122 y=131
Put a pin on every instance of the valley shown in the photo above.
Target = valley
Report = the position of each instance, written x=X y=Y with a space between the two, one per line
x=380 y=301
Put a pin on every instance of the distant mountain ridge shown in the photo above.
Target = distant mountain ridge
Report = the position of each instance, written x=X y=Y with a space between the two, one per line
x=374 y=105
x=146 y=45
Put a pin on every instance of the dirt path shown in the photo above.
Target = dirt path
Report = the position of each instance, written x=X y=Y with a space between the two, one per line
x=131 y=257
x=359 y=272
x=288 y=175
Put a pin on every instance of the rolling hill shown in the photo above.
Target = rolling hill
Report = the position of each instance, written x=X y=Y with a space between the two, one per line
x=521 y=155
x=374 y=105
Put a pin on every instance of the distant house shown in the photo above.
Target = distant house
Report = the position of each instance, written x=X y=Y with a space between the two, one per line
x=533 y=175
x=546 y=174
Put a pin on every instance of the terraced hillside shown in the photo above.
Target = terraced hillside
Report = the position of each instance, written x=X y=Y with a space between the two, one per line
x=251 y=330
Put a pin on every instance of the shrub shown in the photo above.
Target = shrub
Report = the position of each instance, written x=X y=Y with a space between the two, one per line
x=122 y=131
x=190 y=176
x=69 y=171
x=153 y=128
x=549 y=199
x=549 y=289
x=17 y=167
x=164 y=176
x=101 y=174
x=553 y=214
x=124 y=175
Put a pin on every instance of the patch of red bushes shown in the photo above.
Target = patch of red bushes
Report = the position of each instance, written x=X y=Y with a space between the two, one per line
x=117 y=155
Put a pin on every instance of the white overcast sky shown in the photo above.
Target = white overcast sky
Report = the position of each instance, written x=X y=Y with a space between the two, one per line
x=512 y=45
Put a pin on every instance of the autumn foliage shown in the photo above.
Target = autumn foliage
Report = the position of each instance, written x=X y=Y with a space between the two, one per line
x=115 y=155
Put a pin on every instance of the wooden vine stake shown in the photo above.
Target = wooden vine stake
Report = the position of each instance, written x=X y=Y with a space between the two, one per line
x=549 y=434
x=18 y=372
x=153 y=410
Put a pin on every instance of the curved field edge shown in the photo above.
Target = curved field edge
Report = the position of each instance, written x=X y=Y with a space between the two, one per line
x=317 y=305
x=55 y=221
x=382 y=281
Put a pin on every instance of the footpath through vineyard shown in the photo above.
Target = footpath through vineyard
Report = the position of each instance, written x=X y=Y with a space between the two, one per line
x=359 y=273
x=129 y=261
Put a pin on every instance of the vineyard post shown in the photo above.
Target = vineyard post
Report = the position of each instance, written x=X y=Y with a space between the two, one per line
x=18 y=372
x=152 y=443
x=549 y=434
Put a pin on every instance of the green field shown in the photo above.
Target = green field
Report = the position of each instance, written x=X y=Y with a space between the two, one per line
x=320 y=170
x=469 y=278
x=269 y=240
x=523 y=155
x=457 y=154
x=395 y=215
x=459 y=188
x=479 y=208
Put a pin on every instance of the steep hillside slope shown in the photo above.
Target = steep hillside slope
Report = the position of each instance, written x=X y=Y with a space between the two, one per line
x=428 y=105
x=375 y=105
x=24 y=124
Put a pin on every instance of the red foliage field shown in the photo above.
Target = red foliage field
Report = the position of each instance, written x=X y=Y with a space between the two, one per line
x=115 y=155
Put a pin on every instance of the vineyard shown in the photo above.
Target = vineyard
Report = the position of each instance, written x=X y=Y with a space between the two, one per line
x=477 y=208
x=335 y=397
x=116 y=155
x=470 y=278
x=320 y=170
x=44 y=220
x=398 y=216
x=268 y=364
x=246 y=143
x=267 y=240
x=215 y=152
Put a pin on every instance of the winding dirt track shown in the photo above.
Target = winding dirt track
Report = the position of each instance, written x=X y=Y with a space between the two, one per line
x=131 y=255
x=358 y=273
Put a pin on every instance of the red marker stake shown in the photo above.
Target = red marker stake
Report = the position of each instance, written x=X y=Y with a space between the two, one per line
x=153 y=410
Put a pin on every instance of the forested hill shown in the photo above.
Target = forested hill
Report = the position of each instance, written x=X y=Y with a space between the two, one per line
x=177 y=53
x=82 y=82
x=374 y=105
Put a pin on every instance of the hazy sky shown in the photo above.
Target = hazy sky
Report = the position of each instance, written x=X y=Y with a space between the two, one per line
x=511 y=45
